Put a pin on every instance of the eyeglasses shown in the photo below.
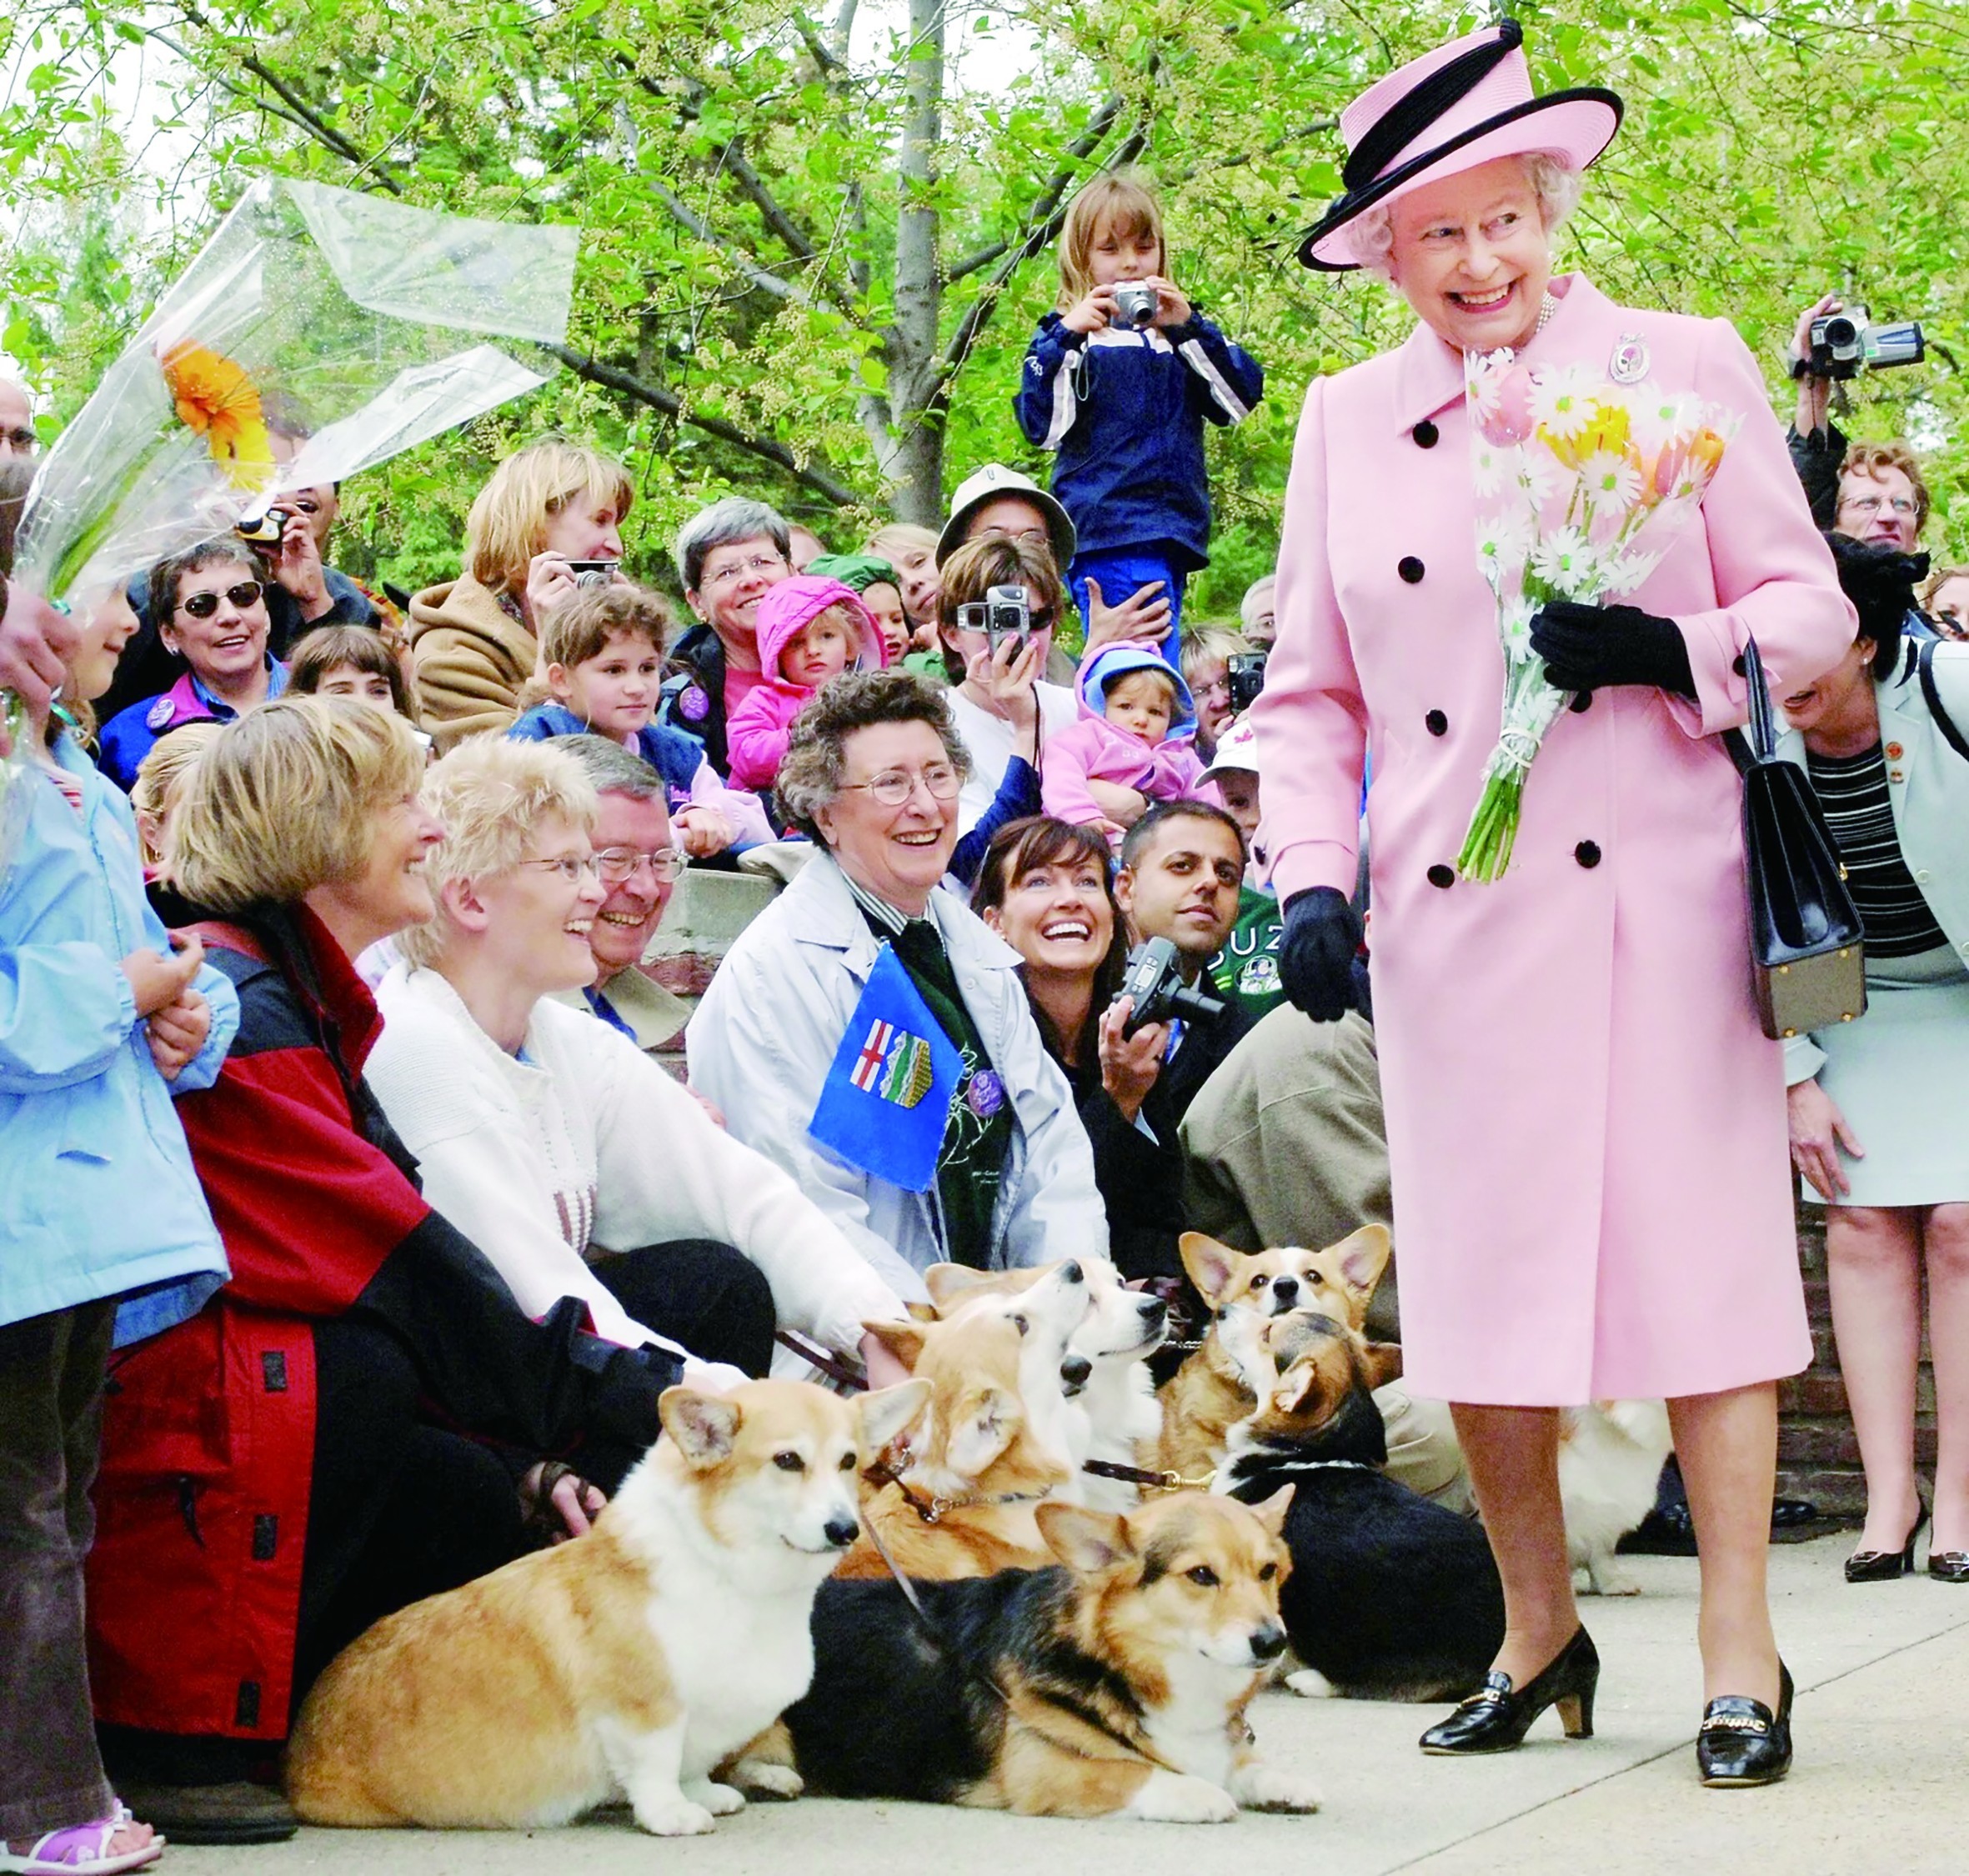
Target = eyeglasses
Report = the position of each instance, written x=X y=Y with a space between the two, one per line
x=895 y=786
x=569 y=866
x=759 y=563
x=618 y=863
x=203 y=605
x=1032 y=537
x=24 y=440
x=1872 y=504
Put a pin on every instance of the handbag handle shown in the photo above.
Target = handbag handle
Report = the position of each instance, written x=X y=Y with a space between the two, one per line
x=1763 y=724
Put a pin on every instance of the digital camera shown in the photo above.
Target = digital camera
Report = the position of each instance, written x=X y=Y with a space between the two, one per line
x=595 y=572
x=1842 y=342
x=1002 y=613
x=1244 y=672
x=1135 y=304
x=1154 y=981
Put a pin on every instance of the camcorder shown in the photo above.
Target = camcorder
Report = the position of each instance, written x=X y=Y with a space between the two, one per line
x=1002 y=613
x=1154 y=981
x=1842 y=343
x=595 y=572
x=1135 y=304
x=1244 y=672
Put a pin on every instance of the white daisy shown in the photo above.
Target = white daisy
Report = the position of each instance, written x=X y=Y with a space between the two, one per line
x=1563 y=399
x=1490 y=468
x=1612 y=482
x=1664 y=420
x=1539 y=475
x=1629 y=572
x=1567 y=561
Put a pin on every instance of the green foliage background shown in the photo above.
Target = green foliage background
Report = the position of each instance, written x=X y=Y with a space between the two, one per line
x=812 y=238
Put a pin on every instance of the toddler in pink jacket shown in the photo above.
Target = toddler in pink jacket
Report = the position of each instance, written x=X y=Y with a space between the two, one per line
x=1136 y=732
x=810 y=630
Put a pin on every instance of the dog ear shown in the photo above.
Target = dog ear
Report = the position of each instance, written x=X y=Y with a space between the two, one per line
x=1380 y=1362
x=1087 y=1542
x=903 y=1340
x=980 y=1430
x=1363 y=1258
x=947 y=1282
x=705 y=1427
x=1298 y=1388
x=890 y=1410
x=1210 y=1263
x=1270 y=1512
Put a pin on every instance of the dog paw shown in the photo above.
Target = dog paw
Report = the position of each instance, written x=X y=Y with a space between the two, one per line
x=721 y=1800
x=1616 y=1582
x=674 y=1817
x=1176 y=1797
x=1309 y=1683
x=1259 y=1788
x=760 y=1778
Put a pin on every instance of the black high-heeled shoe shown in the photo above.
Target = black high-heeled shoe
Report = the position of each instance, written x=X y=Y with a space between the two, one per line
x=1885 y=1566
x=1497 y=1718
x=1742 y=1742
x=1949 y=1566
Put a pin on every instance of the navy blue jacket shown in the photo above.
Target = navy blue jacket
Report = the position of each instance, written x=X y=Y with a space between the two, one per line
x=1125 y=409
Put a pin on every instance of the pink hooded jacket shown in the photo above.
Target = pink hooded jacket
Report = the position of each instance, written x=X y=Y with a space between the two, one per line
x=755 y=736
x=1095 y=749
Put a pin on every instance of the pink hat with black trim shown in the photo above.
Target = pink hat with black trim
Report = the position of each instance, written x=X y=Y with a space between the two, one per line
x=1463 y=105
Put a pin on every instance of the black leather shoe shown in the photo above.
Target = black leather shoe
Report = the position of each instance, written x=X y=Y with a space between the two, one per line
x=1497 y=1718
x=1742 y=1743
x=1949 y=1566
x=236 y=1813
x=1666 y=1531
x=1885 y=1566
x=1787 y=1514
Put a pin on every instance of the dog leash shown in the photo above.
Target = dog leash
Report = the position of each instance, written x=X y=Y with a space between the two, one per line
x=1148 y=1478
x=934 y=1510
x=853 y=1379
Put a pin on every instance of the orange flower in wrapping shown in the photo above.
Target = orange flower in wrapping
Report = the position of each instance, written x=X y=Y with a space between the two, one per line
x=216 y=397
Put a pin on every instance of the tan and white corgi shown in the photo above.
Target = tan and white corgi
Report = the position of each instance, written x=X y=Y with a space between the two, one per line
x=629 y=1663
x=983 y=1458
x=1213 y=1390
x=1611 y=1456
x=1112 y=1414
x=1113 y=1683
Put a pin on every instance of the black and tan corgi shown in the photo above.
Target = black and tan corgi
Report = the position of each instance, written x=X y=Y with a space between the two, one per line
x=1114 y=1684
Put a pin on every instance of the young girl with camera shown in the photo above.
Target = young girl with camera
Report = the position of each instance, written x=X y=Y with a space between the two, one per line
x=1119 y=379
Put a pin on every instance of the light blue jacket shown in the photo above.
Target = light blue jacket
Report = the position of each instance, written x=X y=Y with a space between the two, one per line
x=98 y=1197
x=1928 y=788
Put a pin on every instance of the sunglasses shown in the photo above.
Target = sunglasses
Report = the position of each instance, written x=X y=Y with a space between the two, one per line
x=203 y=605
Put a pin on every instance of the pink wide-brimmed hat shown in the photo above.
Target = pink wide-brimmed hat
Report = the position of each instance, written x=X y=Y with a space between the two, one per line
x=1464 y=104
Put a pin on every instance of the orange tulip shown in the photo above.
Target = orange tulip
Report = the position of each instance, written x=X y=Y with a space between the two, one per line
x=215 y=398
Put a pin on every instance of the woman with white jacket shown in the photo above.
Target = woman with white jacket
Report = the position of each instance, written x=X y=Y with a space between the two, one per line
x=548 y=1138
x=872 y=776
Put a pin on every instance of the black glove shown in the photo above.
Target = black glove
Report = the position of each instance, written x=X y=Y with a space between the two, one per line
x=1316 y=954
x=1586 y=647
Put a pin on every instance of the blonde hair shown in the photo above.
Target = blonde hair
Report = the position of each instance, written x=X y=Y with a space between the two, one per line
x=493 y=796
x=1120 y=198
x=284 y=799
x=159 y=785
x=507 y=525
x=1370 y=238
x=582 y=628
x=1203 y=644
x=899 y=540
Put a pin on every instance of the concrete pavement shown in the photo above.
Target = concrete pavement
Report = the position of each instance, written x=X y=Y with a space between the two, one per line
x=1882 y=1782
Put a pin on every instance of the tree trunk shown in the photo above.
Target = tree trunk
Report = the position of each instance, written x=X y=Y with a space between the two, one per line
x=918 y=460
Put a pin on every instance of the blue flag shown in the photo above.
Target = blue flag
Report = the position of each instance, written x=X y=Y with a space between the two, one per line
x=885 y=1101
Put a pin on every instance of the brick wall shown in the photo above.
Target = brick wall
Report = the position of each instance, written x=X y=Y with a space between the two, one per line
x=1817 y=1455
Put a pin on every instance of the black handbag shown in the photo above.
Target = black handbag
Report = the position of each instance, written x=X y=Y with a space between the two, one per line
x=1807 y=958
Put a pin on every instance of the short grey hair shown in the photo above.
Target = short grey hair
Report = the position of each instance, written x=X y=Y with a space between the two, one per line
x=1371 y=237
x=815 y=767
x=612 y=769
x=736 y=517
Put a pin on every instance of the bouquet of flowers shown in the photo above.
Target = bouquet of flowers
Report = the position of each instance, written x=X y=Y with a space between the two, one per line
x=1580 y=485
x=315 y=335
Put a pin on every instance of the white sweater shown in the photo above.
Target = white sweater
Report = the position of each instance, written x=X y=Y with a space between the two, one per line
x=587 y=1142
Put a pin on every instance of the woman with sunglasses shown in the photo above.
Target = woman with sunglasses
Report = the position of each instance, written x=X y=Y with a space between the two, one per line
x=872 y=773
x=217 y=625
x=574 y=1162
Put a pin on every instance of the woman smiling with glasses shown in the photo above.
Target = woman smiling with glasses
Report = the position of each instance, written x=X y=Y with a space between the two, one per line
x=872 y=775
x=574 y=1162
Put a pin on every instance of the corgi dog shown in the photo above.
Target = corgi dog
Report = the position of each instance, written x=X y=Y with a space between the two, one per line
x=992 y=1444
x=1113 y=1416
x=1111 y=1683
x=1611 y=1456
x=1213 y=1390
x=629 y=1663
x=1391 y=1598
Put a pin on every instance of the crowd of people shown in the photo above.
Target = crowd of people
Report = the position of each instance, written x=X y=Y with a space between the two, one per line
x=339 y=1133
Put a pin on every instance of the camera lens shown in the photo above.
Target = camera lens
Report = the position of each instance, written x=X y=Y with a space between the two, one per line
x=1841 y=330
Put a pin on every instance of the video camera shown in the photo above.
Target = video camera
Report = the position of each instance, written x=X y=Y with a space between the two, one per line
x=1002 y=613
x=1244 y=672
x=1842 y=342
x=1154 y=981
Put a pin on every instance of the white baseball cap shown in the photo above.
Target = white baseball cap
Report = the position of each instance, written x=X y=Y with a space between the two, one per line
x=986 y=485
x=1237 y=749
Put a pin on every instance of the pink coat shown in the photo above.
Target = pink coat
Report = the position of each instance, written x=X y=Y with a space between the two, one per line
x=1092 y=748
x=756 y=734
x=1586 y=1127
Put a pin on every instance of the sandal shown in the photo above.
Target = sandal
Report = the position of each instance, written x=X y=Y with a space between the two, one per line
x=83 y=1850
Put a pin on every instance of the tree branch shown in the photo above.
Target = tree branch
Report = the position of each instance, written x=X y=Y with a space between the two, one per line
x=1048 y=200
x=761 y=278
x=733 y=161
x=659 y=396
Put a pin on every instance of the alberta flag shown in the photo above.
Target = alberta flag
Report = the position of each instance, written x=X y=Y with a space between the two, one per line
x=884 y=1105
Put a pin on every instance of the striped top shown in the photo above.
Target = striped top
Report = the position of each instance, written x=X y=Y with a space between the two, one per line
x=1853 y=792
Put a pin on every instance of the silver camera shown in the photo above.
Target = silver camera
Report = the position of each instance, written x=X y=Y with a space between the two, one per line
x=1135 y=304
x=1843 y=342
x=1002 y=613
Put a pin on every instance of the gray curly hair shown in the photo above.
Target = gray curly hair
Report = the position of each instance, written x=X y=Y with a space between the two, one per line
x=815 y=767
x=1372 y=239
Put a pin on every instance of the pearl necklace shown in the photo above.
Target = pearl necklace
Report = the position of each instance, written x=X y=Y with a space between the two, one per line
x=1546 y=308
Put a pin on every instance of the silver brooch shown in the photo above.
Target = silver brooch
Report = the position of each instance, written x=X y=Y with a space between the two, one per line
x=1629 y=364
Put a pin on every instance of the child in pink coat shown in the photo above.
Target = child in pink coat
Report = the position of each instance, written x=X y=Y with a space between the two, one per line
x=810 y=630
x=1136 y=734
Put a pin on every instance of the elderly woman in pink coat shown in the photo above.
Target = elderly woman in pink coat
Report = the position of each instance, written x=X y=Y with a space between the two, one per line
x=1585 y=1125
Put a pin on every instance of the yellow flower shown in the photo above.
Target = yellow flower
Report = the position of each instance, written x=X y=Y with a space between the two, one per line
x=216 y=397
